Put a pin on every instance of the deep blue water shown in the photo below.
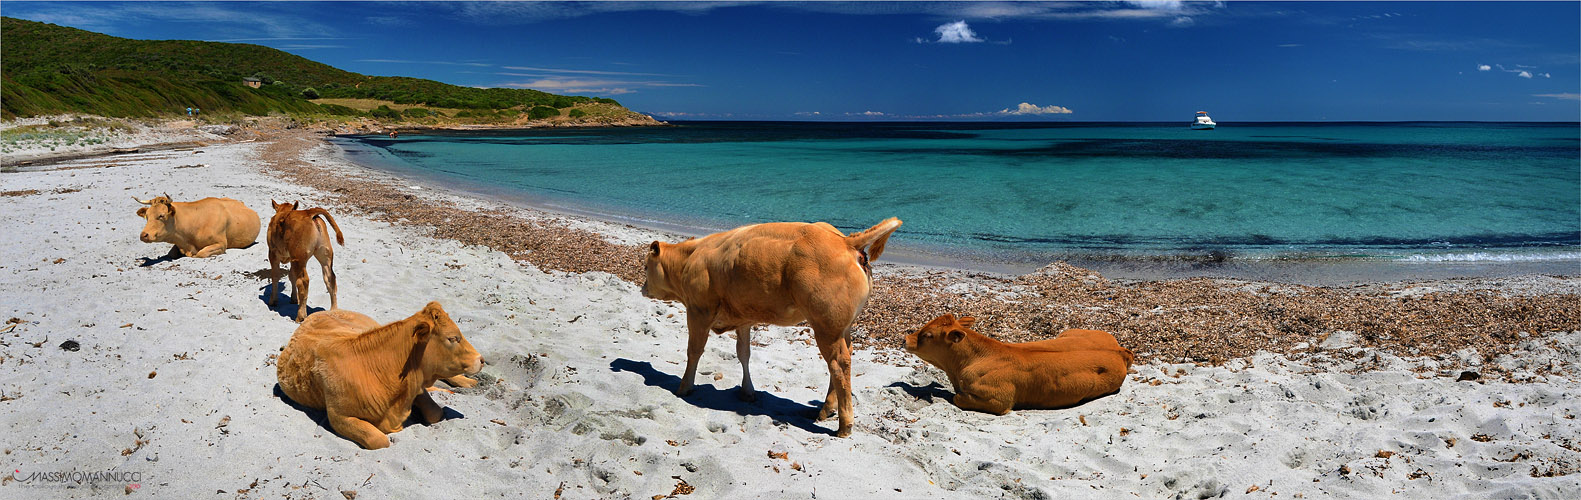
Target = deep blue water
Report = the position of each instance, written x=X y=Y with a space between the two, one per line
x=1033 y=193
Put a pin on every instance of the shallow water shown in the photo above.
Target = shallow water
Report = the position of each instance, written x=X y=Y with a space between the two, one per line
x=1155 y=198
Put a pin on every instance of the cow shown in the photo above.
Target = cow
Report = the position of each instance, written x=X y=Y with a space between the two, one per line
x=294 y=236
x=994 y=377
x=368 y=377
x=779 y=273
x=202 y=228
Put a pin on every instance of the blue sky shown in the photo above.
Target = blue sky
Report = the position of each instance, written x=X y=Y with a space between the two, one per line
x=1077 y=61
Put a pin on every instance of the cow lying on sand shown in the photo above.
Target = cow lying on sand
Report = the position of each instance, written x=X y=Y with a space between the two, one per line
x=993 y=376
x=779 y=273
x=198 y=228
x=369 y=377
x=294 y=236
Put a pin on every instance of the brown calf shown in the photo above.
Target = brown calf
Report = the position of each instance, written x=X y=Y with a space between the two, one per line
x=993 y=376
x=295 y=235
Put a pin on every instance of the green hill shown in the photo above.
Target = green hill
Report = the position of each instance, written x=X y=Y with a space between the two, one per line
x=52 y=69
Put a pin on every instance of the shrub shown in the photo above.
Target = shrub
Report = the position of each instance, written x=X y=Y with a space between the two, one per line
x=384 y=111
x=417 y=112
x=541 y=112
x=309 y=93
x=577 y=113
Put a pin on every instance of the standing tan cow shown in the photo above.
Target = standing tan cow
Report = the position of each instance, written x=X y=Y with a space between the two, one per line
x=294 y=236
x=198 y=228
x=780 y=273
x=367 y=377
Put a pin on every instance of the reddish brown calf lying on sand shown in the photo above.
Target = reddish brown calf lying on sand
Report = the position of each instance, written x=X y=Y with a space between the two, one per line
x=779 y=273
x=294 y=236
x=992 y=376
x=198 y=228
x=369 y=377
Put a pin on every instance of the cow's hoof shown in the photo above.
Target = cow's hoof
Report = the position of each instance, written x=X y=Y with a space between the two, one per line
x=749 y=396
x=683 y=391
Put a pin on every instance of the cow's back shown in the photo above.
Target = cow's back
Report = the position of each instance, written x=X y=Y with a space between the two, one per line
x=299 y=365
x=209 y=219
x=242 y=223
x=754 y=271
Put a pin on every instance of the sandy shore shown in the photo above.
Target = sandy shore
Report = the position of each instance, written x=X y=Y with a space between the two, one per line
x=123 y=362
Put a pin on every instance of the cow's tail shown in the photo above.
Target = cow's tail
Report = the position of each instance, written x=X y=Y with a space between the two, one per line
x=872 y=239
x=319 y=211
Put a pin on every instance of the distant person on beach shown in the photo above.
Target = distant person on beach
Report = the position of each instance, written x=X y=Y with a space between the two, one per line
x=394 y=134
x=189 y=111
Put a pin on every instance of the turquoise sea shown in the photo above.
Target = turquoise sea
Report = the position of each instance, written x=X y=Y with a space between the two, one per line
x=1144 y=199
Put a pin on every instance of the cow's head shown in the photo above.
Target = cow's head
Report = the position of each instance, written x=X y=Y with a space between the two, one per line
x=161 y=215
x=447 y=352
x=657 y=285
x=936 y=341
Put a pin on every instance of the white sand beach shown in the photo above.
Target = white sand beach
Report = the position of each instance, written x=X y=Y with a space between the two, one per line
x=172 y=380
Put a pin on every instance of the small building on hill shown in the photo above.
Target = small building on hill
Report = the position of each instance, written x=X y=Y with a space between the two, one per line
x=253 y=82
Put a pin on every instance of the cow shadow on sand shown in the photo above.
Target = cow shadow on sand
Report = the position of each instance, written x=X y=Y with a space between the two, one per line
x=283 y=305
x=707 y=396
x=933 y=392
x=174 y=254
x=321 y=417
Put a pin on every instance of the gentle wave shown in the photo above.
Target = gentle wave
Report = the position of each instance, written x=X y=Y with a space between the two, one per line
x=1496 y=257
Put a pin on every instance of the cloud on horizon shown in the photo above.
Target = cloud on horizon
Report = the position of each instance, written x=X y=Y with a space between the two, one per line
x=956 y=32
x=1567 y=96
x=1026 y=108
x=591 y=86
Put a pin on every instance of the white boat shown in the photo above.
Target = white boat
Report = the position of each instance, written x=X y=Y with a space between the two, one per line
x=1203 y=122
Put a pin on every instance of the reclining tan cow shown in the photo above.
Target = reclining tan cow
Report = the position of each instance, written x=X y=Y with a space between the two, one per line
x=198 y=228
x=994 y=377
x=368 y=377
x=294 y=236
x=779 y=273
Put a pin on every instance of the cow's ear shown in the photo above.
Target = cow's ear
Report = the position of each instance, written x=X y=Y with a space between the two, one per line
x=967 y=322
x=955 y=335
x=423 y=329
x=142 y=212
x=294 y=203
x=654 y=248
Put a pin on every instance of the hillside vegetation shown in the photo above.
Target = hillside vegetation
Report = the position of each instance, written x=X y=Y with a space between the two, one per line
x=50 y=69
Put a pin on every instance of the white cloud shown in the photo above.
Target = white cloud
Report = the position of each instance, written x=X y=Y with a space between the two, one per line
x=872 y=113
x=1484 y=67
x=577 y=71
x=1524 y=74
x=591 y=86
x=1157 y=4
x=1026 y=108
x=1289 y=45
x=956 y=32
x=1182 y=22
x=1565 y=96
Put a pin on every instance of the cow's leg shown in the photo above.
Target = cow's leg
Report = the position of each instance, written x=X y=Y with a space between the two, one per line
x=429 y=410
x=274 y=278
x=326 y=261
x=461 y=381
x=990 y=404
x=697 y=322
x=744 y=353
x=211 y=250
x=835 y=347
x=358 y=430
x=299 y=280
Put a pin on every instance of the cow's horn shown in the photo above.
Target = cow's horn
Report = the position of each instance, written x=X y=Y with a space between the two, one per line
x=167 y=196
x=149 y=202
